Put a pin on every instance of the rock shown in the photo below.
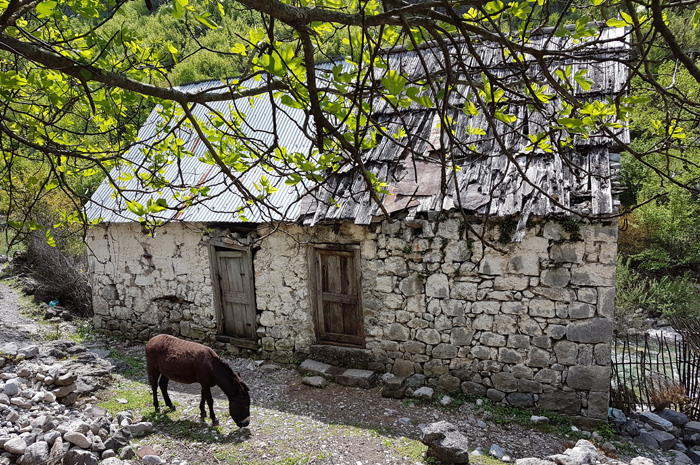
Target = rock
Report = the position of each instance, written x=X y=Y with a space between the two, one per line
x=394 y=387
x=608 y=447
x=152 y=460
x=445 y=442
x=12 y=417
x=112 y=461
x=446 y=400
x=79 y=457
x=425 y=393
x=79 y=439
x=666 y=440
x=538 y=419
x=655 y=421
x=315 y=381
x=118 y=440
x=631 y=428
x=16 y=446
x=497 y=451
x=533 y=461
x=51 y=436
x=693 y=455
x=10 y=349
x=680 y=458
x=583 y=453
x=676 y=418
x=28 y=351
x=35 y=454
x=641 y=461
x=63 y=391
x=11 y=388
x=66 y=379
x=143 y=428
x=94 y=411
x=127 y=453
x=646 y=439
x=691 y=433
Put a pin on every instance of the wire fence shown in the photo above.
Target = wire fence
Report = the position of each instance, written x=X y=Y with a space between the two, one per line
x=656 y=371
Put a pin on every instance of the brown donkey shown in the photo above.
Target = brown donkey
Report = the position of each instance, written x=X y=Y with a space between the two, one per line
x=188 y=362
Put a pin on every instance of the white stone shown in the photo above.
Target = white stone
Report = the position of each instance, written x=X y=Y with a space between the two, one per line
x=16 y=446
x=438 y=286
x=79 y=439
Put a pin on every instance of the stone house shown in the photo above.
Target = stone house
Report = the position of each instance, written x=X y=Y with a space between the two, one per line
x=526 y=321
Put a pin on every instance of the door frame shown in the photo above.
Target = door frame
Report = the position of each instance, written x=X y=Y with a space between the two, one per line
x=314 y=279
x=213 y=244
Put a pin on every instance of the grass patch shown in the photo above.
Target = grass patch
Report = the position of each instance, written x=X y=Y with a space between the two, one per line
x=506 y=415
x=136 y=366
x=407 y=448
x=138 y=397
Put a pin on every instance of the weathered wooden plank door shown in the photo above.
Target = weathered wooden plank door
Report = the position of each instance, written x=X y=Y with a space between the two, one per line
x=234 y=294
x=336 y=293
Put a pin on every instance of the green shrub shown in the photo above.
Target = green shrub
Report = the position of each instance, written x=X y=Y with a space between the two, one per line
x=667 y=295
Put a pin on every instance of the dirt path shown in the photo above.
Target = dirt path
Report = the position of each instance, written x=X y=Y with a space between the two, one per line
x=291 y=423
x=14 y=327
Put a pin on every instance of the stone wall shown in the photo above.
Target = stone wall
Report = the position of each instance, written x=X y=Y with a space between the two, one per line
x=530 y=327
x=144 y=285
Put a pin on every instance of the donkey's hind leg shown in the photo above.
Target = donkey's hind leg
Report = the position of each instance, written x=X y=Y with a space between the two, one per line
x=163 y=382
x=153 y=375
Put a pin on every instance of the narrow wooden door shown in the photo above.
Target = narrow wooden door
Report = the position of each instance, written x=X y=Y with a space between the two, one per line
x=337 y=296
x=234 y=285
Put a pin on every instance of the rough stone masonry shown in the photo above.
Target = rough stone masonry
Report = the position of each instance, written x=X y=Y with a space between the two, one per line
x=530 y=327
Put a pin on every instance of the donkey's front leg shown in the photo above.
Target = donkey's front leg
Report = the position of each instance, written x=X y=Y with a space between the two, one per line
x=206 y=397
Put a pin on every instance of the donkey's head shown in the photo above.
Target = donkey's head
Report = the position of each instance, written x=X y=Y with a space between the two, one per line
x=239 y=403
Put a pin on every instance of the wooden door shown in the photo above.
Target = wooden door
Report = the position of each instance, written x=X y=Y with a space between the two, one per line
x=234 y=294
x=336 y=291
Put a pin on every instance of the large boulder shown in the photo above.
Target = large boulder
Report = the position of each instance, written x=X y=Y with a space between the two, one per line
x=655 y=421
x=445 y=442
x=677 y=418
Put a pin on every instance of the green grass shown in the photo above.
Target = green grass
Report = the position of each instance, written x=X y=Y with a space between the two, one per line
x=408 y=448
x=138 y=396
x=137 y=365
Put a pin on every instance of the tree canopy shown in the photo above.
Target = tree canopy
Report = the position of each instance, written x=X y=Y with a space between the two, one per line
x=78 y=78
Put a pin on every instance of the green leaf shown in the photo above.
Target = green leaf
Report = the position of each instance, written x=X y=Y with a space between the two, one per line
x=394 y=82
x=582 y=80
x=46 y=8
x=424 y=101
x=12 y=80
x=50 y=239
x=615 y=23
x=178 y=8
x=571 y=123
x=239 y=49
x=206 y=21
x=696 y=17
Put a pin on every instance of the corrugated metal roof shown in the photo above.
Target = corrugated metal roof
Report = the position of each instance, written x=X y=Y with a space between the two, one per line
x=489 y=182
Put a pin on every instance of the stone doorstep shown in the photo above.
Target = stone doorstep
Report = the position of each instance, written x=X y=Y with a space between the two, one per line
x=352 y=377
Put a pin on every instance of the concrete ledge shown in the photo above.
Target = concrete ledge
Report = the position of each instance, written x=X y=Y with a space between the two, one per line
x=352 y=377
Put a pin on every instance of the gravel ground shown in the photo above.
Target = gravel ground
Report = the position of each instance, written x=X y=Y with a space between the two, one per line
x=291 y=422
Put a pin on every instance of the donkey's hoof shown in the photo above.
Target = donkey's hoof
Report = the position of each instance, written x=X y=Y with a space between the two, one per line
x=172 y=408
x=215 y=423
